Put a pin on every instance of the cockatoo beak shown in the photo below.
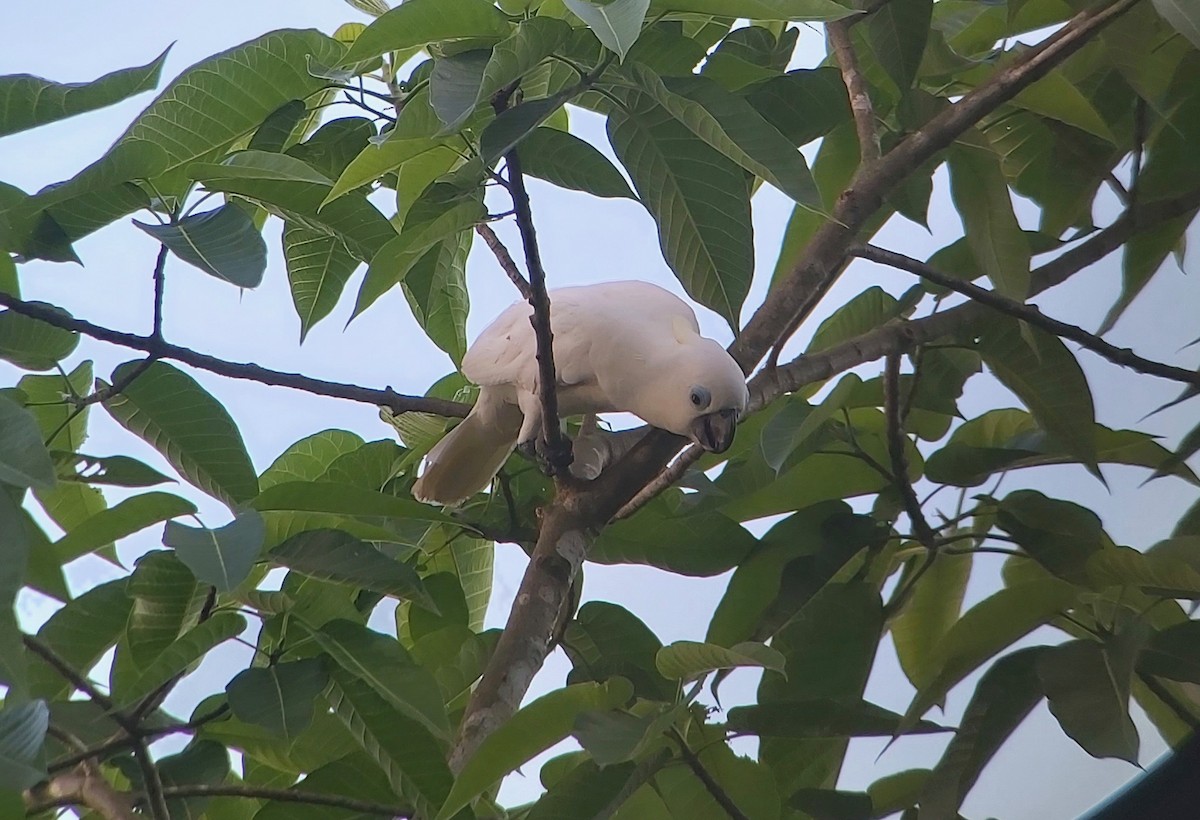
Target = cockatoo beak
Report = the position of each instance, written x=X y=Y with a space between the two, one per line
x=714 y=431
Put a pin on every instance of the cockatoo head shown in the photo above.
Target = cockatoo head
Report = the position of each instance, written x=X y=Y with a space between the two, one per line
x=701 y=395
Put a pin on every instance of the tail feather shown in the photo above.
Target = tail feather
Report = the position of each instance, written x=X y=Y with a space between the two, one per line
x=466 y=459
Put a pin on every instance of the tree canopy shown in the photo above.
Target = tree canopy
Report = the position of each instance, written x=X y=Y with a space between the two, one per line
x=863 y=488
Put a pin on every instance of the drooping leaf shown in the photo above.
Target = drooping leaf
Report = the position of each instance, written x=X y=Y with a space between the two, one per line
x=1183 y=16
x=821 y=718
x=612 y=737
x=333 y=496
x=511 y=127
x=436 y=290
x=417 y=22
x=455 y=87
x=1144 y=255
x=27 y=101
x=1007 y=693
x=701 y=542
x=897 y=33
x=187 y=649
x=60 y=426
x=125 y=518
x=31 y=344
x=688 y=660
x=932 y=609
x=699 y=199
x=193 y=431
x=605 y=639
x=1059 y=535
x=584 y=792
x=534 y=40
x=338 y=556
x=22 y=733
x=310 y=457
x=534 y=728
x=80 y=633
x=318 y=267
x=221 y=557
x=116 y=471
x=24 y=460
x=617 y=24
x=223 y=242
x=1088 y=692
x=569 y=162
x=279 y=697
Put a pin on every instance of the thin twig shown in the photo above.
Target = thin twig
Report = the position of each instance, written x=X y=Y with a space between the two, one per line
x=662 y=481
x=505 y=259
x=1030 y=314
x=712 y=786
x=287 y=796
x=236 y=370
x=79 y=681
x=856 y=89
x=126 y=741
x=151 y=782
x=896 y=441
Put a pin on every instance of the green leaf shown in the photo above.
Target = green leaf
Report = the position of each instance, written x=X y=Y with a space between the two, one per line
x=1007 y=439
x=80 y=633
x=1166 y=576
x=931 y=611
x=821 y=718
x=1044 y=374
x=1005 y=694
x=802 y=104
x=691 y=542
x=116 y=471
x=616 y=24
x=310 y=457
x=688 y=660
x=455 y=87
x=584 y=792
x=383 y=663
x=165 y=599
x=533 y=729
x=223 y=243
x=426 y=224
x=699 y=199
x=15 y=544
x=1144 y=255
x=866 y=311
x=129 y=516
x=22 y=734
x=406 y=752
x=280 y=697
x=785 y=10
x=1088 y=693
x=194 y=432
x=1173 y=653
x=31 y=344
x=1059 y=535
x=222 y=557
x=1184 y=17
x=27 y=101
x=340 y=557
x=512 y=126
x=318 y=266
x=987 y=628
x=417 y=22
x=611 y=737
x=377 y=158
x=189 y=648
x=897 y=33
x=279 y=129
x=436 y=290
x=534 y=40
x=345 y=499
x=604 y=640
x=569 y=162
x=791 y=434
x=24 y=460
x=980 y=193
x=731 y=125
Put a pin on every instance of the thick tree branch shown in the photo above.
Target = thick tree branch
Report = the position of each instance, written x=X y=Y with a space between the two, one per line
x=1030 y=314
x=861 y=108
x=236 y=370
x=83 y=786
x=505 y=259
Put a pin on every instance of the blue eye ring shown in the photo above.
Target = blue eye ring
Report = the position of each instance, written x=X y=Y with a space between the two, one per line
x=700 y=397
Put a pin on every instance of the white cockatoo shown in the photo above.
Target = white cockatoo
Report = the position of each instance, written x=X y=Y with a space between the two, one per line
x=618 y=346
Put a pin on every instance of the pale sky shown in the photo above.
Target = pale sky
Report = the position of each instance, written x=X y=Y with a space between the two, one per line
x=1039 y=773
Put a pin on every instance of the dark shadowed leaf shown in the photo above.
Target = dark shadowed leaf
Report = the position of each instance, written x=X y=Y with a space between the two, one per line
x=340 y=557
x=80 y=633
x=821 y=718
x=584 y=792
x=534 y=40
x=22 y=732
x=188 y=649
x=194 y=432
x=222 y=557
x=280 y=697
x=116 y=471
x=455 y=87
x=24 y=460
x=797 y=10
x=897 y=33
x=612 y=737
x=1173 y=653
x=436 y=289
x=1059 y=535
x=1088 y=692
x=223 y=242
x=27 y=101
x=605 y=639
x=569 y=162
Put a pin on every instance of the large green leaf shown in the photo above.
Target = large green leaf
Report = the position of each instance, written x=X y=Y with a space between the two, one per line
x=1006 y=439
x=697 y=542
x=569 y=162
x=534 y=40
x=1005 y=694
x=981 y=195
x=346 y=499
x=383 y=663
x=1144 y=255
x=897 y=33
x=731 y=125
x=699 y=199
x=436 y=289
x=223 y=242
x=221 y=557
x=532 y=730
x=865 y=311
x=1184 y=17
x=586 y=791
x=1173 y=653
x=821 y=718
x=337 y=556
x=803 y=104
x=786 y=10
x=1044 y=374
x=688 y=660
x=447 y=549
x=280 y=697
x=318 y=267
x=188 y=649
x=166 y=602
x=310 y=457
x=1059 y=535
x=80 y=633
x=406 y=752
x=31 y=344
x=379 y=157
x=54 y=416
x=24 y=460
x=1087 y=688
x=417 y=22
x=617 y=24
x=194 y=432
x=605 y=639
x=27 y=101
x=22 y=733
x=15 y=544
x=129 y=516
x=455 y=87
x=932 y=609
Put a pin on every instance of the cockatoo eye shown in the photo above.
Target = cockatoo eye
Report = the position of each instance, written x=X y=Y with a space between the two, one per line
x=700 y=397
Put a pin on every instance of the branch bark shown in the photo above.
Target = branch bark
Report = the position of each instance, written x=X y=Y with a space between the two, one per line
x=83 y=786
x=861 y=108
x=505 y=259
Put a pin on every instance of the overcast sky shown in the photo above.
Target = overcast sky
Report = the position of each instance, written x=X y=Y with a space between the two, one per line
x=1040 y=773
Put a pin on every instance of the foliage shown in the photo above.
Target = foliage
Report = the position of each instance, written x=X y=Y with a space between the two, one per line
x=453 y=97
